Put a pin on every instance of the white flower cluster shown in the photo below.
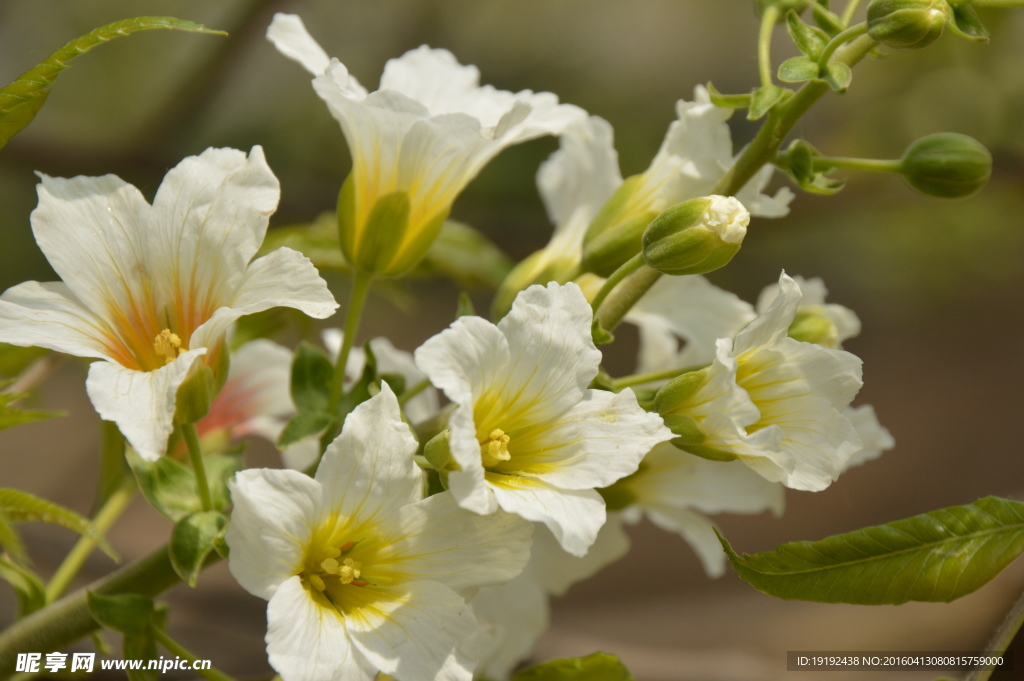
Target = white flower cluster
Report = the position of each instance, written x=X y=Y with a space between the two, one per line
x=364 y=574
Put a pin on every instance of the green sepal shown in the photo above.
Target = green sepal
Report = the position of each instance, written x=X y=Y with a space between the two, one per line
x=130 y=614
x=798 y=70
x=192 y=540
x=465 y=306
x=195 y=395
x=673 y=395
x=764 y=99
x=966 y=23
x=465 y=256
x=28 y=587
x=808 y=39
x=798 y=162
x=594 y=667
x=600 y=335
x=686 y=429
x=170 y=487
x=703 y=451
x=438 y=452
x=617 y=497
x=727 y=101
x=828 y=21
x=614 y=235
x=838 y=75
x=382 y=235
x=22 y=99
x=19 y=506
x=933 y=557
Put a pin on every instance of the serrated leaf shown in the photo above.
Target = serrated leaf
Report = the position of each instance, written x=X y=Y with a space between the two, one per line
x=10 y=540
x=838 y=75
x=935 y=557
x=763 y=99
x=808 y=39
x=303 y=425
x=595 y=667
x=29 y=588
x=798 y=70
x=11 y=416
x=192 y=540
x=21 y=506
x=129 y=614
x=727 y=101
x=467 y=257
x=966 y=23
x=311 y=378
x=22 y=99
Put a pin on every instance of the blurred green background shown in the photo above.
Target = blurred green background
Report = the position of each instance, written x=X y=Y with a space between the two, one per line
x=936 y=283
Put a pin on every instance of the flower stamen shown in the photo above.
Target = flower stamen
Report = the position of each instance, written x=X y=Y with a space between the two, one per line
x=494 y=449
x=168 y=346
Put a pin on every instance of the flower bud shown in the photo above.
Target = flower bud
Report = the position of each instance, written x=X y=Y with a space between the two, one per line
x=696 y=236
x=615 y=232
x=195 y=394
x=947 y=165
x=907 y=24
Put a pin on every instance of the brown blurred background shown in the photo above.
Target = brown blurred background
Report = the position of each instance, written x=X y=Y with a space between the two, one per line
x=936 y=284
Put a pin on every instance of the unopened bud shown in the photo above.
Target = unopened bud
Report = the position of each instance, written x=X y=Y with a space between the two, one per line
x=696 y=236
x=907 y=24
x=438 y=452
x=195 y=394
x=947 y=165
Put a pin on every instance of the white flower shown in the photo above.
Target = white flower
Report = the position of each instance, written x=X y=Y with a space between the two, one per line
x=152 y=289
x=777 y=403
x=528 y=435
x=513 y=616
x=874 y=436
x=362 y=573
x=673 y=489
x=689 y=308
x=824 y=323
x=425 y=133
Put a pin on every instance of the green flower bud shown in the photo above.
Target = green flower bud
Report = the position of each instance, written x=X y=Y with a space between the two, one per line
x=907 y=24
x=438 y=452
x=811 y=327
x=696 y=236
x=615 y=232
x=674 y=395
x=195 y=394
x=947 y=165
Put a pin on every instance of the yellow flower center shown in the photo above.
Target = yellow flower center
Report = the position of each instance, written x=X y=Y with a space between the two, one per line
x=168 y=346
x=336 y=569
x=494 y=449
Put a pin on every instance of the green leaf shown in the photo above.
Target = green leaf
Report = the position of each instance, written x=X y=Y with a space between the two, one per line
x=10 y=540
x=828 y=20
x=192 y=540
x=22 y=99
x=936 y=557
x=764 y=98
x=113 y=467
x=966 y=23
x=12 y=416
x=29 y=588
x=808 y=39
x=14 y=360
x=220 y=468
x=129 y=614
x=170 y=487
x=312 y=372
x=798 y=162
x=727 y=101
x=595 y=667
x=467 y=257
x=798 y=70
x=21 y=506
x=302 y=425
x=838 y=75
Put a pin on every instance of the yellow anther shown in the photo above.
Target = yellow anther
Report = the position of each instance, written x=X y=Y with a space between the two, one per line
x=349 y=571
x=495 y=448
x=317 y=583
x=167 y=345
x=332 y=552
x=330 y=566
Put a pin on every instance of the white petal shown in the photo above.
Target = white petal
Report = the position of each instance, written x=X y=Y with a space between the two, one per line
x=771 y=325
x=307 y=641
x=696 y=530
x=301 y=455
x=209 y=218
x=274 y=514
x=92 y=230
x=283 y=278
x=50 y=316
x=512 y=617
x=761 y=205
x=420 y=631
x=368 y=470
x=443 y=543
x=468 y=485
x=291 y=39
x=466 y=359
x=573 y=516
x=258 y=387
x=391 y=360
x=584 y=172
x=874 y=436
x=553 y=358
x=556 y=570
x=598 y=441
x=141 y=403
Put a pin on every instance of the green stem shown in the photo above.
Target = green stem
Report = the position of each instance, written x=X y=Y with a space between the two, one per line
x=639 y=379
x=111 y=510
x=195 y=454
x=622 y=300
x=764 y=44
x=1001 y=641
x=413 y=391
x=851 y=9
x=844 y=37
x=65 y=621
x=626 y=269
x=164 y=639
x=869 y=164
x=356 y=300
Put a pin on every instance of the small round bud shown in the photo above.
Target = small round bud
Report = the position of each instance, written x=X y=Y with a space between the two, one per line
x=696 y=236
x=907 y=24
x=947 y=165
